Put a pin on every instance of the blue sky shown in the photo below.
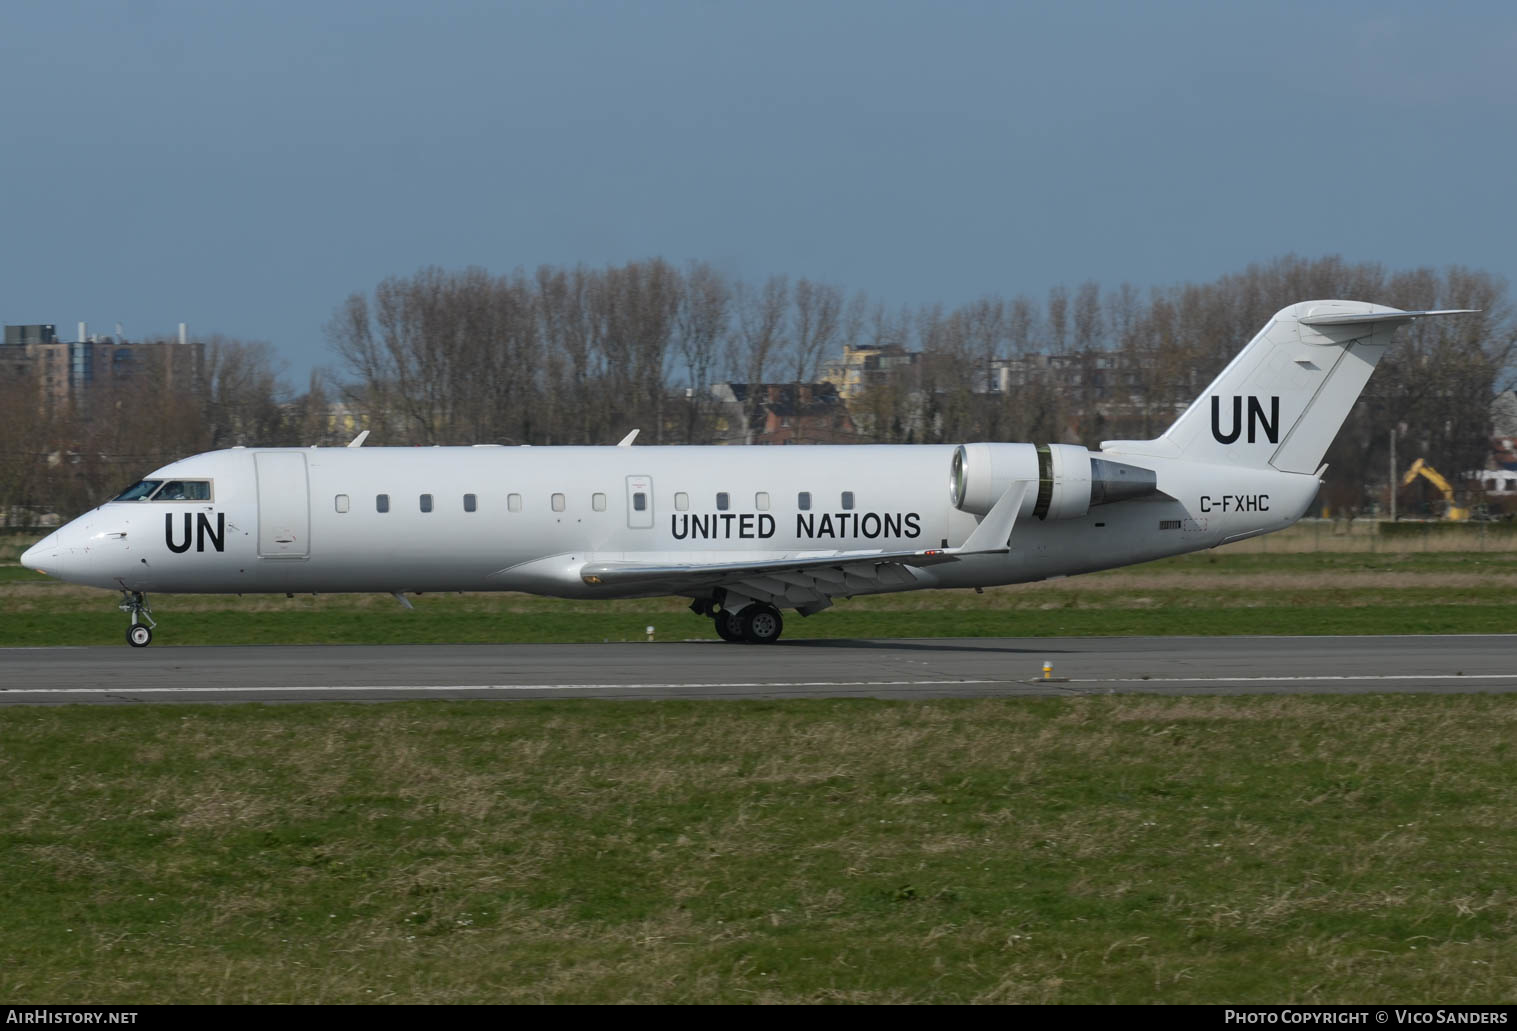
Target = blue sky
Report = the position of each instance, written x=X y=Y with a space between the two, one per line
x=244 y=167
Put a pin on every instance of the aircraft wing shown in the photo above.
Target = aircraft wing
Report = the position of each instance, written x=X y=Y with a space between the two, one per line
x=704 y=574
x=806 y=583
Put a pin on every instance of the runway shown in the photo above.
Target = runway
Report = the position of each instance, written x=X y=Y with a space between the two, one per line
x=924 y=668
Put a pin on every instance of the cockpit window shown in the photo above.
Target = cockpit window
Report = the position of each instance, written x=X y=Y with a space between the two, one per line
x=184 y=490
x=138 y=490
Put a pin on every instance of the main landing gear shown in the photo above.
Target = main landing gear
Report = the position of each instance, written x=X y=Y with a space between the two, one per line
x=756 y=624
x=727 y=627
x=135 y=603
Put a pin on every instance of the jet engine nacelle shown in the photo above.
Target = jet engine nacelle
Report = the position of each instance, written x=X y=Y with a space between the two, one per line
x=1070 y=479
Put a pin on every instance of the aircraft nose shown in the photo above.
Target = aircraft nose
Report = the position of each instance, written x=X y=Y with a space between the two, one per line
x=81 y=552
x=40 y=555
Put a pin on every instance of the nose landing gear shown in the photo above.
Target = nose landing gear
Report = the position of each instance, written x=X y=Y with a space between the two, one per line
x=135 y=603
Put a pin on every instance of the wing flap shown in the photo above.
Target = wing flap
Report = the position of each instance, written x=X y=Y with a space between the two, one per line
x=834 y=568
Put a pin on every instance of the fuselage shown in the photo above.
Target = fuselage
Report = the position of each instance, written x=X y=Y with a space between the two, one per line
x=527 y=519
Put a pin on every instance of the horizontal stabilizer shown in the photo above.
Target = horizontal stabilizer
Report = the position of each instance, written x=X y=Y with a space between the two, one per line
x=1369 y=318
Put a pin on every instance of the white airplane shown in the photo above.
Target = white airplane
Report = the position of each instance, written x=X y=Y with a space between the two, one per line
x=745 y=533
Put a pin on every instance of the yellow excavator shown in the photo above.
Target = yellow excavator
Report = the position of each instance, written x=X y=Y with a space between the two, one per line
x=1452 y=512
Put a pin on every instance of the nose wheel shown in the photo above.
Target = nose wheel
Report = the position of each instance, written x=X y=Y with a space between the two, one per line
x=135 y=604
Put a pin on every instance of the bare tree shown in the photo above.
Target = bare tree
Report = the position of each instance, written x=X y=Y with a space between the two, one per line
x=759 y=336
x=572 y=326
x=242 y=394
x=815 y=326
x=579 y=355
x=1058 y=319
x=27 y=433
x=309 y=413
x=1087 y=318
x=641 y=302
x=702 y=321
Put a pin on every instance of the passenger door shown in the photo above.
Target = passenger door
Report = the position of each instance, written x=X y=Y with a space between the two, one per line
x=284 y=505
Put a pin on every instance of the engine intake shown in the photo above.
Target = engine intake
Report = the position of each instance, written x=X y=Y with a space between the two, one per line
x=1070 y=479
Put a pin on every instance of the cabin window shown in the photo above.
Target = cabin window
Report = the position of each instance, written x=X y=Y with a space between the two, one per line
x=682 y=502
x=722 y=501
x=342 y=502
x=513 y=502
x=558 y=502
x=381 y=502
x=598 y=502
x=803 y=501
x=426 y=502
x=639 y=501
x=847 y=500
x=471 y=503
x=761 y=501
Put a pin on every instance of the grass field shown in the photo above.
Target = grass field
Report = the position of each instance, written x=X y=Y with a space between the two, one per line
x=1291 y=590
x=1091 y=849
x=1107 y=849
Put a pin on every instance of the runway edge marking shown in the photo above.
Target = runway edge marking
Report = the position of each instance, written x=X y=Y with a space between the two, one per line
x=349 y=688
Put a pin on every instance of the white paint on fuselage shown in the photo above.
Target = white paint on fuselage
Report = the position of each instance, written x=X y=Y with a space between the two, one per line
x=123 y=544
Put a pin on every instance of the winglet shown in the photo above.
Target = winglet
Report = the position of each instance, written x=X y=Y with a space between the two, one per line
x=627 y=440
x=358 y=440
x=994 y=531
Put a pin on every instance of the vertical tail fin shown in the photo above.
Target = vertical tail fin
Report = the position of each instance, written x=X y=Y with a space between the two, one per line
x=1282 y=400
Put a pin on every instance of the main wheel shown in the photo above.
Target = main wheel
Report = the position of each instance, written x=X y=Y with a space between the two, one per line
x=727 y=627
x=138 y=635
x=761 y=624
